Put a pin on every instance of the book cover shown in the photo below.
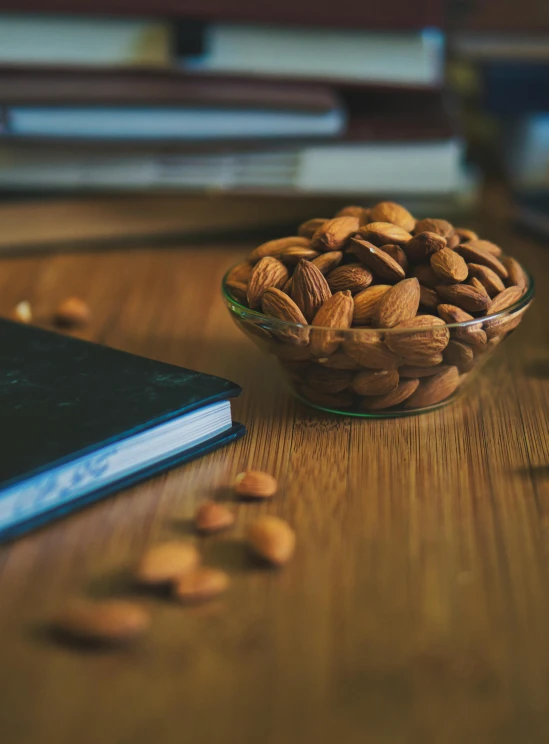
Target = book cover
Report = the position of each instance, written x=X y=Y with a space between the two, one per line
x=65 y=401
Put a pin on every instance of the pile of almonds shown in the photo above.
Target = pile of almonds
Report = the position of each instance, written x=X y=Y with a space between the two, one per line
x=176 y=566
x=369 y=294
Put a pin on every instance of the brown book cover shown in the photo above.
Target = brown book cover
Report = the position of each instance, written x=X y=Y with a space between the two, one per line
x=366 y=14
x=87 y=86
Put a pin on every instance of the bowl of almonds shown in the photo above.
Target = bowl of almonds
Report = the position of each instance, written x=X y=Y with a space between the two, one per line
x=374 y=313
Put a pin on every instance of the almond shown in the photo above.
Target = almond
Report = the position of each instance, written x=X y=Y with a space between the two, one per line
x=333 y=234
x=431 y=337
x=366 y=301
x=423 y=359
x=238 y=290
x=440 y=227
x=478 y=285
x=478 y=256
x=336 y=312
x=201 y=585
x=268 y=272
x=368 y=350
x=425 y=275
x=504 y=300
x=353 y=277
x=255 y=484
x=471 y=334
x=277 y=304
x=328 y=380
x=22 y=313
x=288 y=353
x=241 y=272
x=434 y=389
x=310 y=289
x=403 y=390
x=72 y=312
x=307 y=229
x=272 y=539
x=290 y=256
x=448 y=266
x=423 y=245
x=165 y=562
x=378 y=261
x=397 y=254
x=486 y=246
x=408 y=370
x=213 y=517
x=488 y=278
x=110 y=621
x=428 y=298
x=517 y=275
x=339 y=360
x=400 y=303
x=391 y=212
x=459 y=354
x=375 y=382
x=383 y=233
x=327 y=400
x=453 y=241
x=464 y=296
x=325 y=262
x=275 y=247
x=352 y=211
x=465 y=234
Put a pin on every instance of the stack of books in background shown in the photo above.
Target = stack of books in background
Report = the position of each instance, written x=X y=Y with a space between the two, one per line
x=248 y=106
x=501 y=53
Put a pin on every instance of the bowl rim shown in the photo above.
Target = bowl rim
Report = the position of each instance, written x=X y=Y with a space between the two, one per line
x=234 y=305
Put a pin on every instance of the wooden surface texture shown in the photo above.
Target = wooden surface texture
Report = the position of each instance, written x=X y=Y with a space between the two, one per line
x=417 y=606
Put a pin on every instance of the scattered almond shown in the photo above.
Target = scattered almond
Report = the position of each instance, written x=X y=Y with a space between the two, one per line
x=272 y=539
x=72 y=312
x=255 y=484
x=110 y=621
x=213 y=517
x=201 y=585
x=22 y=313
x=163 y=563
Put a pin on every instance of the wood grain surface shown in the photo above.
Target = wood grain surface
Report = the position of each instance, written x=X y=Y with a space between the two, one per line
x=417 y=606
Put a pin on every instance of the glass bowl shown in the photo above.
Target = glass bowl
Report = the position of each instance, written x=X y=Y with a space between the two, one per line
x=378 y=373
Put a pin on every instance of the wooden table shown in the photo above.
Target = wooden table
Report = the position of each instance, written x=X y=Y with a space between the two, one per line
x=417 y=606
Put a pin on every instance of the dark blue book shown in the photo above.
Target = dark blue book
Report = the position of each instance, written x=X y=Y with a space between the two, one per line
x=81 y=421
